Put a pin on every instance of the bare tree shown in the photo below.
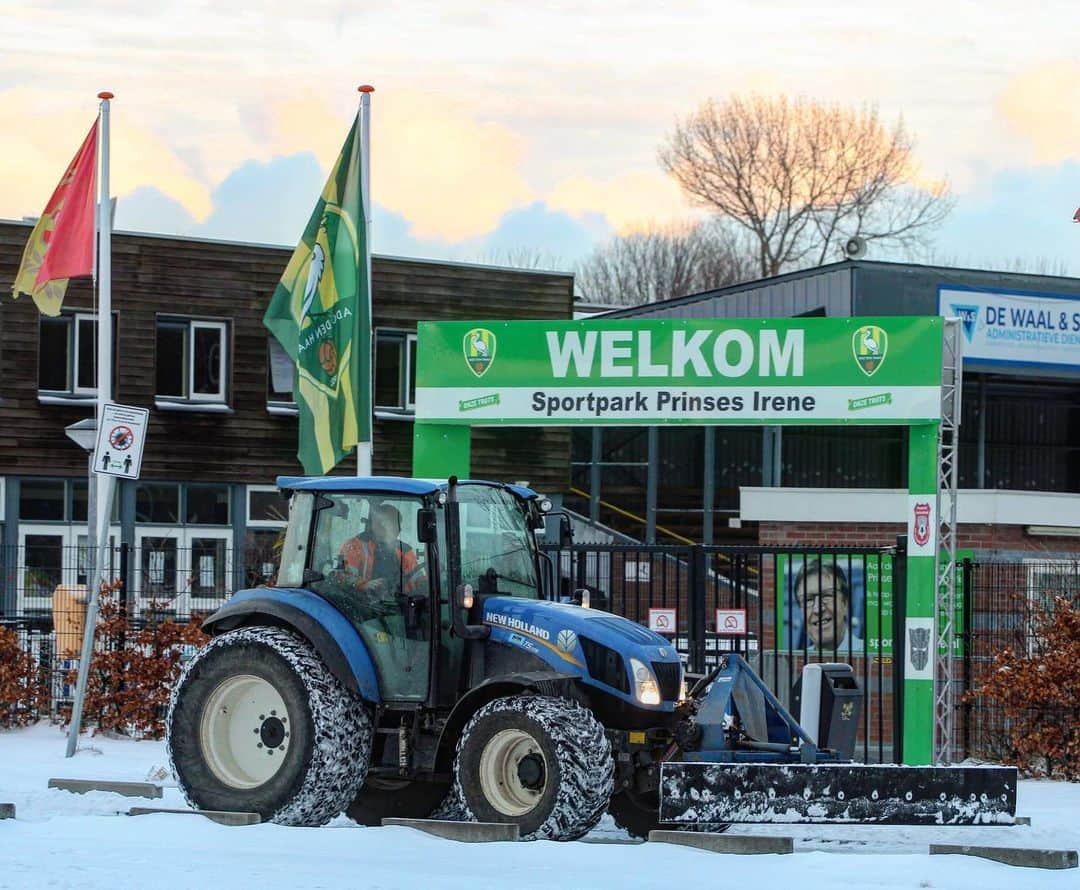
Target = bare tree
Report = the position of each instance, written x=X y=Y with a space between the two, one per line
x=530 y=258
x=662 y=262
x=801 y=177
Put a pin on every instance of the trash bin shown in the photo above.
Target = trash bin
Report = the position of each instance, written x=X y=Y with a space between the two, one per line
x=831 y=707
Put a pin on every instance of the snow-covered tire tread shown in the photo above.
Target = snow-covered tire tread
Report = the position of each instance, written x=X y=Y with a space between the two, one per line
x=341 y=726
x=586 y=765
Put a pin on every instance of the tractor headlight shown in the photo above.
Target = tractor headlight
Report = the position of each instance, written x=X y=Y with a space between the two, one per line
x=646 y=689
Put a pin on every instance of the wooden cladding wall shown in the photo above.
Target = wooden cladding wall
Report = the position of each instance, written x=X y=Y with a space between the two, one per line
x=155 y=276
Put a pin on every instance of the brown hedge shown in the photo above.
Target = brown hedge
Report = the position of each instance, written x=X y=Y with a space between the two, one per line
x=1039 y=694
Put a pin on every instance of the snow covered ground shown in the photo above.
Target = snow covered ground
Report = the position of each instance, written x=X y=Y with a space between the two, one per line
x=85 y=841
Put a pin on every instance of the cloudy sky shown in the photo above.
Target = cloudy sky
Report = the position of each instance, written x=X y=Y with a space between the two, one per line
x=502 y=126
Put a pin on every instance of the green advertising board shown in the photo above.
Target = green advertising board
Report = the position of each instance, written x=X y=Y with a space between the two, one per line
x=765 y=371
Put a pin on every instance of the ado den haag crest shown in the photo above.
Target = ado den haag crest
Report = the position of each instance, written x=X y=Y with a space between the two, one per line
x=869 y=345
x=479 y=347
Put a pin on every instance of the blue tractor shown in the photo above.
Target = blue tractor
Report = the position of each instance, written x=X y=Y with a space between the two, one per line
x=406 y=663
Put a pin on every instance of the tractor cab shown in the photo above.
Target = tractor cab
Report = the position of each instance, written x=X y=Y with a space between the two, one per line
x=404 y=560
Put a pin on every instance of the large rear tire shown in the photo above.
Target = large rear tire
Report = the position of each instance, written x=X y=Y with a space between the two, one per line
x=542 y=762
x=257 y=723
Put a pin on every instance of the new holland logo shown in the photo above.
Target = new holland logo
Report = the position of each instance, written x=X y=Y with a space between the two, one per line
x=922 y=524
x=479 y=349
x=869 y=345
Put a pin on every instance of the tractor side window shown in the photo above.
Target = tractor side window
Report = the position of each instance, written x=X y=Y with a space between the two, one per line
x=374 y=571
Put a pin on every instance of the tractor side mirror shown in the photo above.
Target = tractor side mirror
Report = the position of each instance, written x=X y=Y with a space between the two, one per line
x=426 y=529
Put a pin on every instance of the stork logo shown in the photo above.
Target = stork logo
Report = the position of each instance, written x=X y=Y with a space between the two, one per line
x=922 y=524
x=920 y=647
x=869 y=345
x=479 y=349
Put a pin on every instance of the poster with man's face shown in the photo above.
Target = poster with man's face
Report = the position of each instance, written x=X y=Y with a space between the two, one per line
x=822 y=603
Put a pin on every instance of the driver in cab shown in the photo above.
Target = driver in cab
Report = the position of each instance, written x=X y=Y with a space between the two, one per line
x=379 y=562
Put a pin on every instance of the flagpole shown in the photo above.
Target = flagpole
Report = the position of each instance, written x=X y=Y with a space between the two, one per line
x=364 y=449
x=103 y=483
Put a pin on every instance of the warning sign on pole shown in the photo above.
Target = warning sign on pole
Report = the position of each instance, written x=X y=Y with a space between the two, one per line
x=731 y=622
x=120 y=440
x=662 y=621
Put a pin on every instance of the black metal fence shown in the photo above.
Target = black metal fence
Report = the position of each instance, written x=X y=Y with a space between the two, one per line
x=779 y=608
x=1006 y=603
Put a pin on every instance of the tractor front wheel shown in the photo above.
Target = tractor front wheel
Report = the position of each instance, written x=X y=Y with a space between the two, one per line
x=257 y=723
x=540 y=761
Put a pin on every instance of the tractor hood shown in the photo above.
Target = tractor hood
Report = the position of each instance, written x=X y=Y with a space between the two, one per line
x=578 y=640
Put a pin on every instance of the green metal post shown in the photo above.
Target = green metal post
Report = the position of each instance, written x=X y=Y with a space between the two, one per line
x=441 y=450
x=919 y=645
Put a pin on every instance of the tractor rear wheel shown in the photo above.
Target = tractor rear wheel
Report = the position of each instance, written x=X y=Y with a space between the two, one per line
x=257 y=723
x=542 y=762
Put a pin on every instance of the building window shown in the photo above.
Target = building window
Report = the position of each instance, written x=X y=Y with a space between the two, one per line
x=395 y=370
x=43 y=500
x=280 y=375
x=266 y=507
x=158 y=503
x=206 y=505
x=192 y=360
x=67 y=356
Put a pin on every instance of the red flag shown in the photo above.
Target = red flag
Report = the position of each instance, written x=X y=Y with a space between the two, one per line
x=61 y=246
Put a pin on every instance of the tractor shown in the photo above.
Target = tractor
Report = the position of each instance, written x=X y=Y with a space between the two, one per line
x=406 y=662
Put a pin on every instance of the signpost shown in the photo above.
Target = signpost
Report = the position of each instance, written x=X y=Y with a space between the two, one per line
x=751 y=372
x=120 y=439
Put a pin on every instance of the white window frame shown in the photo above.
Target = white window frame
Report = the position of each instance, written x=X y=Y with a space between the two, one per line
x=76 y=318
x=260 y=523
x=191 y=400
x=184 y=602
x=223 y=331
x=275 y=405
x=72 y=393
x=69 y=535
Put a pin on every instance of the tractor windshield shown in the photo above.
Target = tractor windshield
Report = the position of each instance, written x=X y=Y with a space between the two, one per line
x=494 y=535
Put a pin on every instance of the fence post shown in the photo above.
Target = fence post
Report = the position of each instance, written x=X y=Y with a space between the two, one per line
x=899 y=653
x=698 y=618
x=968 y=577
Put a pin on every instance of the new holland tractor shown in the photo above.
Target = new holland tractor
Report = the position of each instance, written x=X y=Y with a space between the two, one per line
x=406 y=663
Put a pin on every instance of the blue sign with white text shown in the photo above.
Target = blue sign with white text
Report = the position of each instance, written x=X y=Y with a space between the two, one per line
x=1015 y=328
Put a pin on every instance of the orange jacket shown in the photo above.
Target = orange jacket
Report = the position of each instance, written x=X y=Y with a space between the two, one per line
x=359 y=554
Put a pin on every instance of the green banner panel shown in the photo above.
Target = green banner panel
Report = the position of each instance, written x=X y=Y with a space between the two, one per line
x=878 y=370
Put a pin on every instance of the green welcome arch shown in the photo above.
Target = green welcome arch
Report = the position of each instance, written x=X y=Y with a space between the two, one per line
x=750 y=372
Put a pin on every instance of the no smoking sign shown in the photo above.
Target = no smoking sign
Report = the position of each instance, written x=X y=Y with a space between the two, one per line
x=731 y=622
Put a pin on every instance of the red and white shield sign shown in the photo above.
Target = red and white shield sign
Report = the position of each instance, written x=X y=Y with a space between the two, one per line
x=922 y=524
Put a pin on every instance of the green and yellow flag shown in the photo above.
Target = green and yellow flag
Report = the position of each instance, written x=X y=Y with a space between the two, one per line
x=319 y=313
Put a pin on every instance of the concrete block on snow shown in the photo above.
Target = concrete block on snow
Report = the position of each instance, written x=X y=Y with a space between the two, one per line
x=723 y=843
x=127 y=789
x=469 y=832
x=220 y=816
x=1026 y=858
